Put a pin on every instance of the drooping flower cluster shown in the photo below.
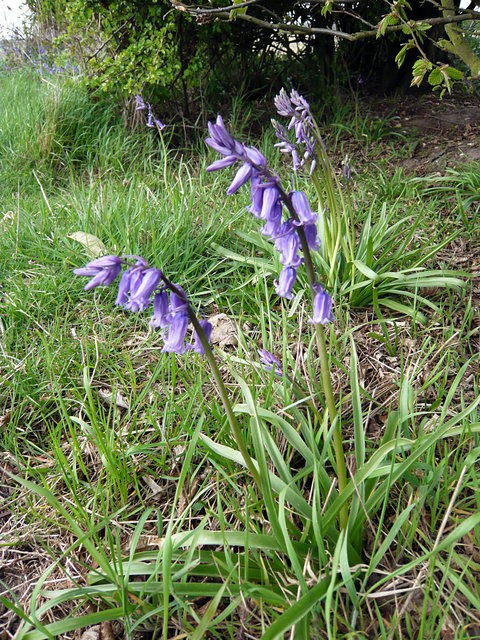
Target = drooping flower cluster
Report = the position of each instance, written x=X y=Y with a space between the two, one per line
x=297 y=109
x=346 y=169
x=270 y=362
x=42 y=60
x=140 y=286
x=268 y=202
x=152 y=122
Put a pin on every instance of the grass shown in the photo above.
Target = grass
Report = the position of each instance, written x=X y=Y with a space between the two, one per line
x=124 y=498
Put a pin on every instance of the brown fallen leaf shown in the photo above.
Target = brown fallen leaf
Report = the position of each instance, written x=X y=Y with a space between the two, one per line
x=102 y=631
x=106 y=630
x=5 y=418
x=92 y=633
x=109 y=396
x=224 y=332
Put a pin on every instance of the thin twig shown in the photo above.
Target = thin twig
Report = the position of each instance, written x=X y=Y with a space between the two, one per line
x=104 y=44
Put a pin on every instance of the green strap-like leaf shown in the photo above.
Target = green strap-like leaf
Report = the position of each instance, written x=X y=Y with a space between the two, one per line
x=297 y=611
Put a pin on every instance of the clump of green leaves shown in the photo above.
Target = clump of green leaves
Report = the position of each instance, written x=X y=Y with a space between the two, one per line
x=440 y=76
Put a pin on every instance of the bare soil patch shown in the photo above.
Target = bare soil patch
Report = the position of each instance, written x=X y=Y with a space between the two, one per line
x=440 y=133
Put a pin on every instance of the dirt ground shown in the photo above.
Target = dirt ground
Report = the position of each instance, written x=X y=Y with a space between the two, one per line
x=435 y=136
x=441 y=133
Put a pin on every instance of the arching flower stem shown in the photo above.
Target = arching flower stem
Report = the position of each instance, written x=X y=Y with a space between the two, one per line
x=327 y=382
x=324 y=364
x=222 y=392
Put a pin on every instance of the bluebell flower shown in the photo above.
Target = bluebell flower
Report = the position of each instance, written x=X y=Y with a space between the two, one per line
x=153 y=122
x=288 y=244
x=270 y=200
x=299 y=102
x=265 y=198
x=302 y=207
x=136 y=278
x=130 y=282
x=273 y=226
x=312 y=237
x=294 y=106
x=104 y=271
x=242 y=176
x=177 y=322
x=283 y=104
x=140 y=104
x=143 y=283
x=256 y=196
x=177 y=330
x=322 y=307
x=160 y=310
x=286 y=280
x=124 y=288
x=220 y=140
x=286 y=145
x=150 y=122
x=197 y=345
x=270 y=362
x=255 y=157
x=225 y=162
x=178 y=303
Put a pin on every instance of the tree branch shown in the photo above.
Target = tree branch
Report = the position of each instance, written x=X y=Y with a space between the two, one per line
x=224 y=13
x=104 y=44
x=201 y=11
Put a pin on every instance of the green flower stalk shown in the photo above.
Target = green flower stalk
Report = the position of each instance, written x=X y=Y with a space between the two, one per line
x=337 y=229
x=142 y=286
x=223 y=393
x=297 y=232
